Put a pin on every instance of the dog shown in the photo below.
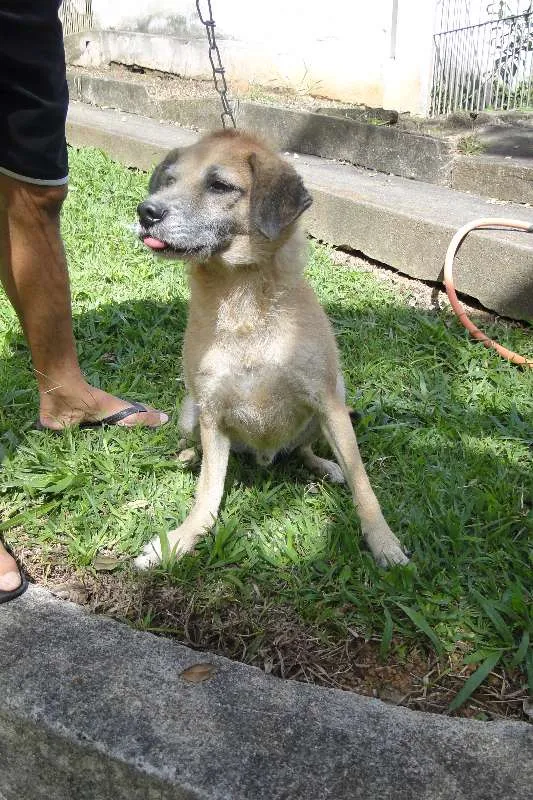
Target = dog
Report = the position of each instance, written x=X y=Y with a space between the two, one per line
x=261 y=365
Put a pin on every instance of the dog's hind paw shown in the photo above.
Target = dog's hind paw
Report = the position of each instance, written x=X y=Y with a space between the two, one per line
x=150 y=556
x=321 y=466
x=332 y=471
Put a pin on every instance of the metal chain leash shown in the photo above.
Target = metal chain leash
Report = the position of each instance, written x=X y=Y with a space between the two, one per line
x=219 y=77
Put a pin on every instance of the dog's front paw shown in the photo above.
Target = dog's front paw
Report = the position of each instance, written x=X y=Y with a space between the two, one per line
x=182 y=540
x=179 y=541
x=150 y=555
x=384 y=545
x=390 y=555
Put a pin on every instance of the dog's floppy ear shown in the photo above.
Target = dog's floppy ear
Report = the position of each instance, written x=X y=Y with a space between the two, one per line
x=278 y=195
x=160 y=177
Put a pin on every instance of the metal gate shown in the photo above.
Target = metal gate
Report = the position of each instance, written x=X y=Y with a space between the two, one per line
x=76 y=16
x=482 y=56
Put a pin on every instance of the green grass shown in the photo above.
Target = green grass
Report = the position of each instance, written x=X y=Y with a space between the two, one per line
x=446 y=434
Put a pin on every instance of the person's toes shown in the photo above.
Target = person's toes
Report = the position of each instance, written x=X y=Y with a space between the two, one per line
x=9 y=575
x=10 y=581
x=145 y=419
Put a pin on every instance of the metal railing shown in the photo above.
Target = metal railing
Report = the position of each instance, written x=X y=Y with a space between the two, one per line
x=76 y=16
x=483 y=64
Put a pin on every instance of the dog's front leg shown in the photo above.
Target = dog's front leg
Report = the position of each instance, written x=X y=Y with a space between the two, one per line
x=216 y=447
x=337 y=428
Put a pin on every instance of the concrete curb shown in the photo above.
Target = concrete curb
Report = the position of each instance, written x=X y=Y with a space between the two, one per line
x=92 y=710
x=401 y=223
x=409 y=227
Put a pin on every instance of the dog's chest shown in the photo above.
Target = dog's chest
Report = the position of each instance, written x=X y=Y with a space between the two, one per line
x=249 y=355
x=249 y=366
x=243 y=358
x=248 y=335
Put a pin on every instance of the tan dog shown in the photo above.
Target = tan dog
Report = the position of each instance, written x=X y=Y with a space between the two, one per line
x=261 y=365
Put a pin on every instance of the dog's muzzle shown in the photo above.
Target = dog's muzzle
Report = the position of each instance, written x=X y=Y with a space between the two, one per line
x=178 y=230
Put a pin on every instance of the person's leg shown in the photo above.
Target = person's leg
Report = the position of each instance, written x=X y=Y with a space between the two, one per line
x=33 y=177
x=33 y=170
x=34 y=274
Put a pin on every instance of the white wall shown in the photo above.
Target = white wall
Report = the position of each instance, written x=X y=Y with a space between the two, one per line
x=174 y=17
x=343 y=49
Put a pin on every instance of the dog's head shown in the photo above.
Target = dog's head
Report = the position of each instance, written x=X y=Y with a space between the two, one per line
x=228 y=195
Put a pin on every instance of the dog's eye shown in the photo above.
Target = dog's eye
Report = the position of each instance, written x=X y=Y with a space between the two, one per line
x=220 y=187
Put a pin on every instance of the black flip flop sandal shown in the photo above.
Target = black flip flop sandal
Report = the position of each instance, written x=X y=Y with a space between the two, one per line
x=6 y=597
x=112 y=419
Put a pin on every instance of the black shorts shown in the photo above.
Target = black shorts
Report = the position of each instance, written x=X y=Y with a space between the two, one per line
x=33 y=92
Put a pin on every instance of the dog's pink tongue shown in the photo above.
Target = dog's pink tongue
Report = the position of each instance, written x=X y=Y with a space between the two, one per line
x=155 y=244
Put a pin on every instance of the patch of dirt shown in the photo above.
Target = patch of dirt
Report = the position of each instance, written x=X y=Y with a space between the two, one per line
x=273 y=638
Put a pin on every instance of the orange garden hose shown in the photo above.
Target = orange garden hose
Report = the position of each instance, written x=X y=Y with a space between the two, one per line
x=450 y=289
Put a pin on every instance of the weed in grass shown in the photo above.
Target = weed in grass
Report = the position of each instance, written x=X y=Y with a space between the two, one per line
x=471 y=145
x=446 y=431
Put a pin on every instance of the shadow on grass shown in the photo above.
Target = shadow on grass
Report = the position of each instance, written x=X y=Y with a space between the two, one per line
x=444 y=433
x=131 y=348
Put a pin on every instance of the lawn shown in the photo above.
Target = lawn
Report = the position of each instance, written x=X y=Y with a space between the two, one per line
x=284 y=582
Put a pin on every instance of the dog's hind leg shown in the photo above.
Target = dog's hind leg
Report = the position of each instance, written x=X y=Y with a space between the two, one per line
x=338 y=429
x=209 y=492
x=189 y=419
x=320 y=466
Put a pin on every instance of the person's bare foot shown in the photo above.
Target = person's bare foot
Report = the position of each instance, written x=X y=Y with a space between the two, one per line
x=61 y=408
x=9 y=575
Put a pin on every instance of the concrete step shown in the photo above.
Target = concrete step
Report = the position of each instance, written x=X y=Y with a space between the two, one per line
x=410 y=149
x=389 y=149
x=92 y=710
x=496 y=176
x=402 y=223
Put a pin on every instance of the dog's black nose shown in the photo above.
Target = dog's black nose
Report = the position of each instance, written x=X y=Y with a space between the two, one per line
x=151 y=212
